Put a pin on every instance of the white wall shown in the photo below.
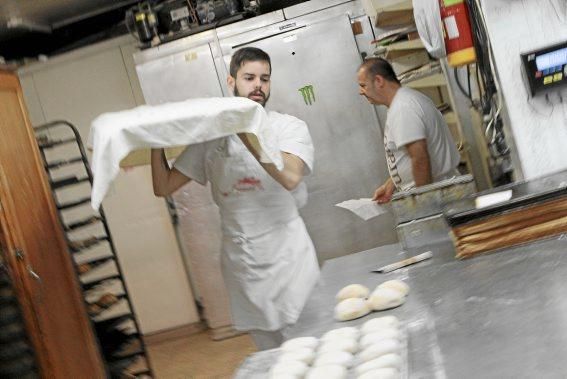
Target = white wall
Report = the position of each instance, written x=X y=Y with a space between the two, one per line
x=538 y=125
x=77 y=87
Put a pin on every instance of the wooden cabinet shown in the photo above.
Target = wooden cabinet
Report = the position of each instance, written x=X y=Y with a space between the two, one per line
x=35 y=250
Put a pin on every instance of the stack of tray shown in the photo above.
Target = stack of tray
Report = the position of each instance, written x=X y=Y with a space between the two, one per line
x=536 y=210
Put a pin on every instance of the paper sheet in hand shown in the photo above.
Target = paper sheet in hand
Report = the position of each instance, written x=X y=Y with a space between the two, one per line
x=114 y=135
x=363 y=208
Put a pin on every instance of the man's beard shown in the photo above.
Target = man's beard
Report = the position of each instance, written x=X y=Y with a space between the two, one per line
x=257 y=93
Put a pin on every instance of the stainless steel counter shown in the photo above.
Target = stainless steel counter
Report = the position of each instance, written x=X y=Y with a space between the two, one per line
x=502 y=315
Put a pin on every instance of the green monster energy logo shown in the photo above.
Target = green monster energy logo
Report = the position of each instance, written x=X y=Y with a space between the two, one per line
x=308 y=94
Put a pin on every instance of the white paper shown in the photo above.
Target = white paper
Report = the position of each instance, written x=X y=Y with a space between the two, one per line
x=492 y=198
x=363 y=208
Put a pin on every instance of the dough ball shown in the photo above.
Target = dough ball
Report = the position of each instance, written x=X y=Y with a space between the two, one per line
x=381 y=373
x=385 y=361
x=385 y=298
x=380 y=323
x=345 y=344
x=291 y=368
x=294 y=343
x=352 y=291
x=378 y=336
x=327 y=372
x=302 y=354
x=377 y=350
x=350 y=309
x=341 y=358
x=346 y=332
x=398 y=285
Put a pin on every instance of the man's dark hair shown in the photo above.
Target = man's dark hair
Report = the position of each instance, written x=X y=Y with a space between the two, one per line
x=247 y=54
x=380 y=66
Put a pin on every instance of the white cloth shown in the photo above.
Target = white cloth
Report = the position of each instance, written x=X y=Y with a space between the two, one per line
x=412 y=116
x=114 y=135
x=268 y=260
x=429 y=26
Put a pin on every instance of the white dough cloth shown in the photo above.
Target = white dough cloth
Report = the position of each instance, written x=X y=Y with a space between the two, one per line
x=114 y=135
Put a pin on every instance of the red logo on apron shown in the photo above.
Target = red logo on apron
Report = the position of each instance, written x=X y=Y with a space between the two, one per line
x=247 y=185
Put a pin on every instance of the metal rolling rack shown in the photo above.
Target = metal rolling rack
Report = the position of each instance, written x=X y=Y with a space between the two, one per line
x=94 y=254
x=17 y=358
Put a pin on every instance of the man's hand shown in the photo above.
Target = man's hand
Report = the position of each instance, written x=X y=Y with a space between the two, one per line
x=383 y=194
x=291 y=174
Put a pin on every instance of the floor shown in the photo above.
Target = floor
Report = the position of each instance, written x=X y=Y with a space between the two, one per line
x=198 y=356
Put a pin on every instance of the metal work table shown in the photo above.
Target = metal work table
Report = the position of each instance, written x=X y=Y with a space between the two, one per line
x=502 y=315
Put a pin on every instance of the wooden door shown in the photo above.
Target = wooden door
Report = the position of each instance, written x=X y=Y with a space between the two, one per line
x=37 y=252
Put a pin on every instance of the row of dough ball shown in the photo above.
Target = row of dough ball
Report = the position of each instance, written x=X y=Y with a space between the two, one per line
x=373 y=349
x=355 y=300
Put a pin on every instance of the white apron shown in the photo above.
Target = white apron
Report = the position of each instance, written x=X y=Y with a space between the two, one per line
x=268 y=259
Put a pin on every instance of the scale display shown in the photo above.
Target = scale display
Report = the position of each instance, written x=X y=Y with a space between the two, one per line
x=545 y=68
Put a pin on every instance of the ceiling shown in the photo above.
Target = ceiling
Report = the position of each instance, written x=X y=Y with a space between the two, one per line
x=32 y=27
x=52 y=14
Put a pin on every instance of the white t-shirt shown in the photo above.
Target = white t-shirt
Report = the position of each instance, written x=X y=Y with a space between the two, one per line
x=412 y=116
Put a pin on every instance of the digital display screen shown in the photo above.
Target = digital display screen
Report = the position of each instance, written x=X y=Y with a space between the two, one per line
x=552 y=59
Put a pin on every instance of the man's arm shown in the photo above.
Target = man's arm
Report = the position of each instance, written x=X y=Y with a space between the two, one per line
x=291 y=174
x=420 y=163
x=165 y=180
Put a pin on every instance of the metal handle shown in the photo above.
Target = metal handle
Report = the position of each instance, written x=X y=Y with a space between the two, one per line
x=37 y=278
x=21 y=256
x=288 y=26
x=33 y=274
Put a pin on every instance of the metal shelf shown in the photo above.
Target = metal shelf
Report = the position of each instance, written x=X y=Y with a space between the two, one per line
x=115 y=320
x=435 y=80
x=105 y=328
x=404 y=49
x=48 y=144
x=118 y=298
x=73 y=204
x=62 y=162
x=85 y=244
x=91 y=284
x=397 y=14
x=82 y=223
x=67 y=181
x=131 y=349
x=96 y=263
x=413 y=44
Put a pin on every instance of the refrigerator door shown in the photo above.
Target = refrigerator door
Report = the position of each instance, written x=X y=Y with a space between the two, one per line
x=189 y=72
